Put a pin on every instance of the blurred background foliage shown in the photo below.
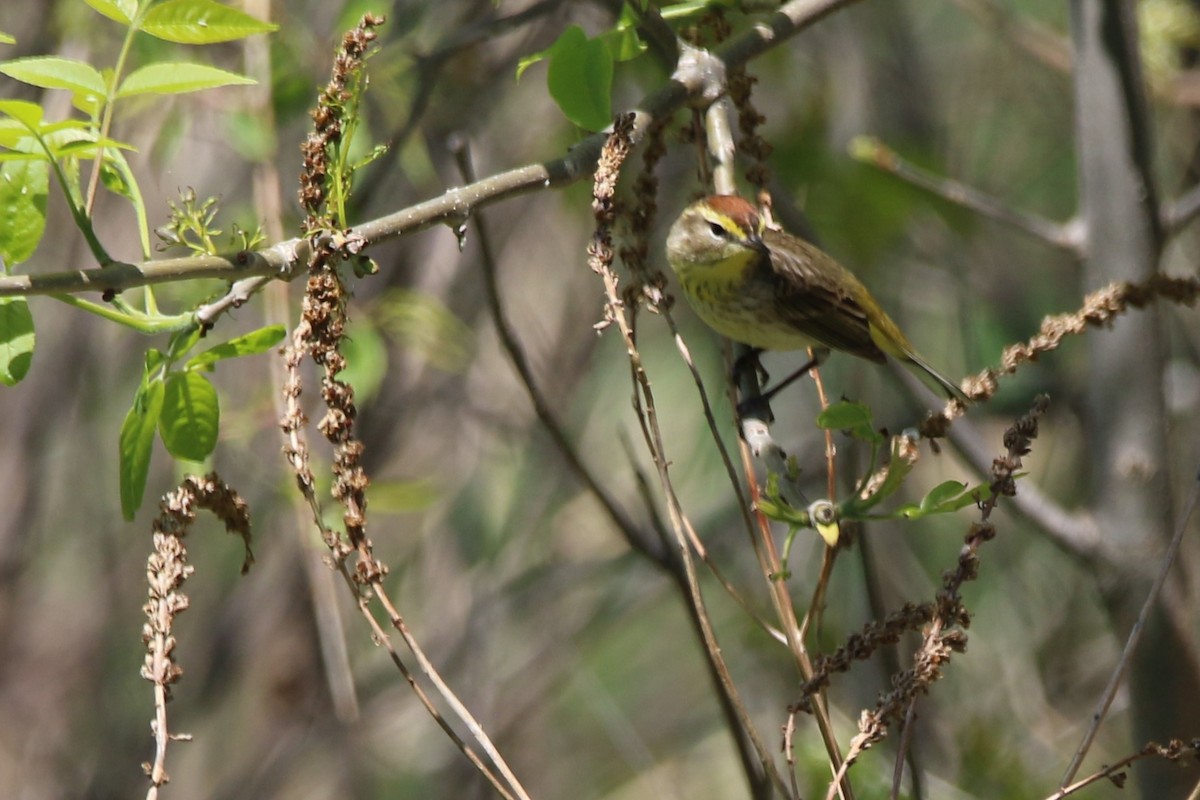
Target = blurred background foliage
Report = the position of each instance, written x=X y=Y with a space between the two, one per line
x=574 y=652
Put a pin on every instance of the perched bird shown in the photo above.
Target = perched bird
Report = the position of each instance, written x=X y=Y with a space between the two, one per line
x=774 y=291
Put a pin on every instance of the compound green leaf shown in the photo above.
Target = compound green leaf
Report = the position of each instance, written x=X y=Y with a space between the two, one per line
x=941 y=494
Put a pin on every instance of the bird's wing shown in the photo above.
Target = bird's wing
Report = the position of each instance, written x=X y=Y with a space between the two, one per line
x=813 y=292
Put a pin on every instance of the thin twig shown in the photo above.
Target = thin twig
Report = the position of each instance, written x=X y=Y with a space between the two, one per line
x=816 y=608
x=1068 y=236
x=1135 y=635
x=945 y=634
x=731 y=473
x=452 y=206
x=1041 y=42
x=600 y=256
x=1172 y=751
x=906 y=729
x=719 y=138
x=477 y=731
x=541 y=406
x=1179 y=212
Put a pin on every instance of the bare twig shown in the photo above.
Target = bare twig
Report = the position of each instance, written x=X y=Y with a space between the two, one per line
x=1173 y=750
x=452 y=206
x=1135 y=635
x=1178 y=213
x=633 y=533
x=906 y=732
x=1040 y=42
x=320 y=334
x=945 y=634
x=600 y=258
x=1067 y=236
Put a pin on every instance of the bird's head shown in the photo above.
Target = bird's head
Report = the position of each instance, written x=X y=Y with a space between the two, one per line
x=718 y=230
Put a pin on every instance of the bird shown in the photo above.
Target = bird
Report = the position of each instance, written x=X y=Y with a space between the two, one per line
x=772 y=290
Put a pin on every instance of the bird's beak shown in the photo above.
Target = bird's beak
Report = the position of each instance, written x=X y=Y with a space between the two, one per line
x=755 y=241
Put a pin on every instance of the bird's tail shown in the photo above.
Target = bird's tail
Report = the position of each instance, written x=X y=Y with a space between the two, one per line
x=951 y=390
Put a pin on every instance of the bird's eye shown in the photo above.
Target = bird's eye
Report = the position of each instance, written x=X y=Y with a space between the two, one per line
x=717 y=230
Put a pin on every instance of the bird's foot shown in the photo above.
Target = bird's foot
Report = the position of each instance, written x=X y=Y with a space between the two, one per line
x=756 y=407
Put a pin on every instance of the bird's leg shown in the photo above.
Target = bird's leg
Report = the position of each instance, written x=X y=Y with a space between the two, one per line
x=747 y=361
x=819 y=354
x=748 y=365
x=760 y=406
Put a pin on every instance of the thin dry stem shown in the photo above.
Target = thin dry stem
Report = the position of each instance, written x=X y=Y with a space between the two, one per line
x=166 y=571
x=600 y=259
x=1174 y=750
x=1135 y=636
x=1100 y=308
x=1066 y=236
x=319 y=335
x=946 y=633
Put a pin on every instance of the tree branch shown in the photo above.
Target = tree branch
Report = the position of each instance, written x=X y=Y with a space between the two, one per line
x=451 y=207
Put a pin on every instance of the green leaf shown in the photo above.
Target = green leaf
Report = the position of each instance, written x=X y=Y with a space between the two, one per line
x=28 y=114
x=623 y=40
x=980 y=494
x=580 y=79
x=844 y=416
x=88 y=103
x=7 y=38
x=852 y=417
x=122 y=11
x=525 y=62
x=190 y=416
x=16 y=339
x=70 y=140
x=258 y=341
x=941 y=494
x=137 y=437
x=897 y=470
x=24 y=185
x=119 y=179
x=178 y=78
x=200 y=22
x=183 y=341
x=52 y=72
